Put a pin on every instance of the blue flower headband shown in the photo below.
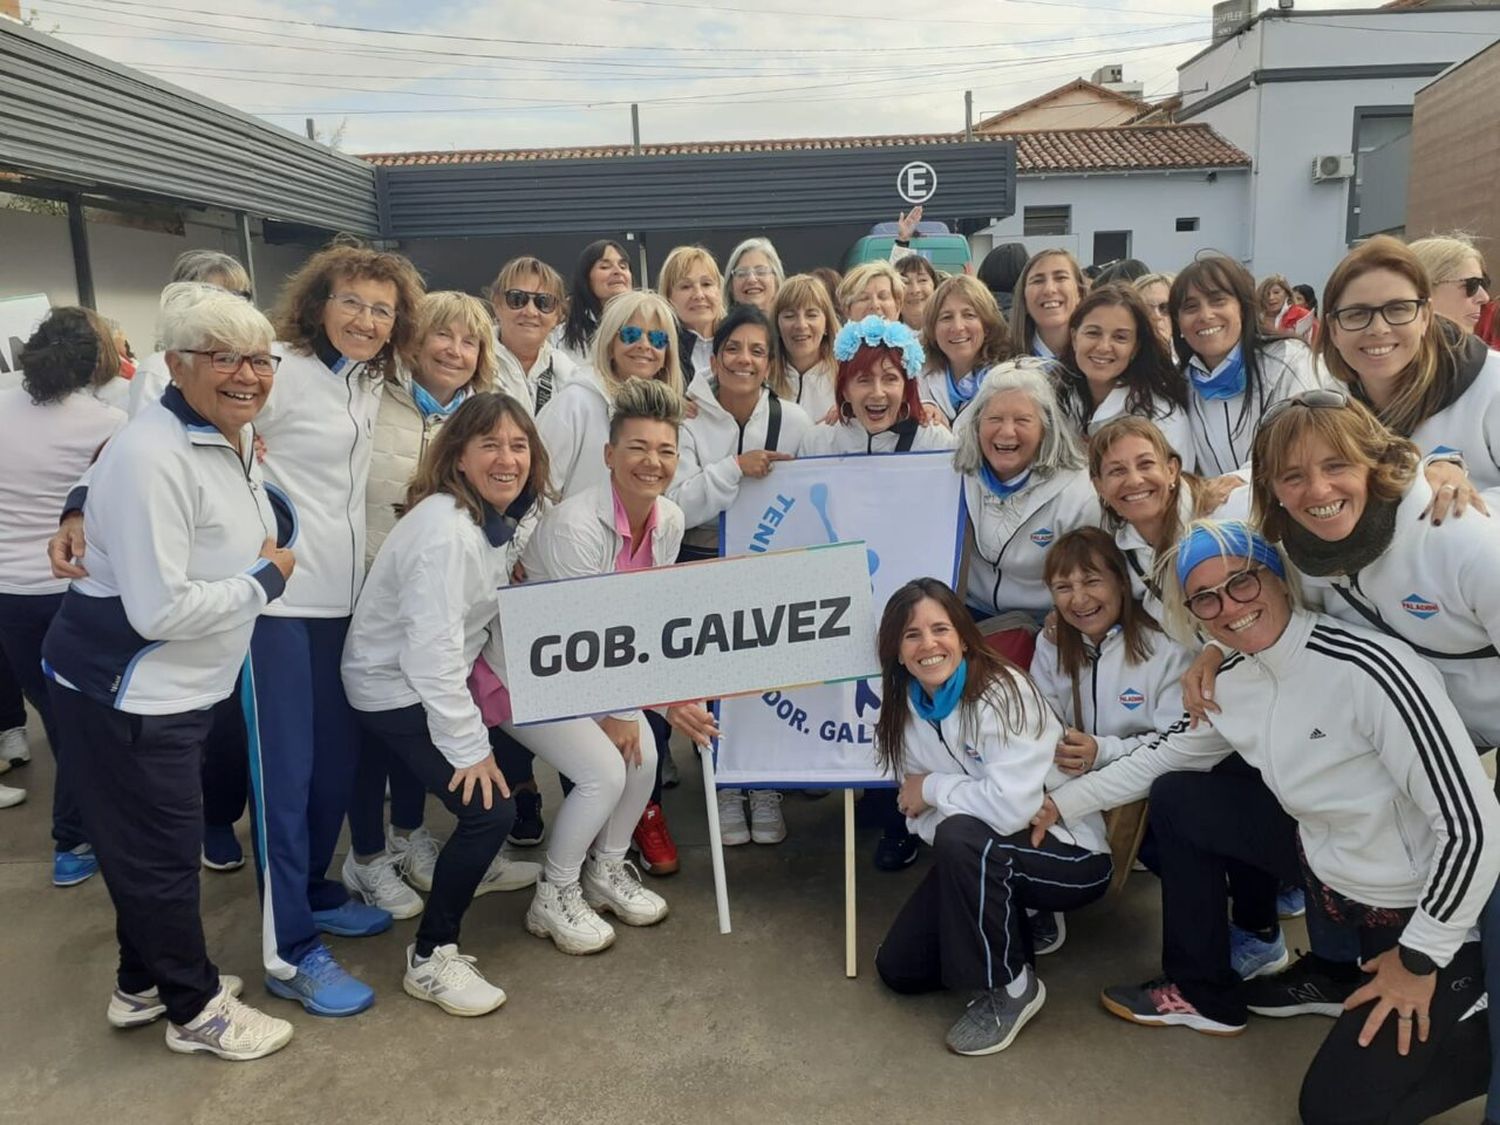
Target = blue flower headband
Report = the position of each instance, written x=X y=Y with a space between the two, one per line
x=874 y=331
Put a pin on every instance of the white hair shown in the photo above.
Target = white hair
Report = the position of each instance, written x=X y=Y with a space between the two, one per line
x=1059 y=450
x=198 y=317
x=765 y=247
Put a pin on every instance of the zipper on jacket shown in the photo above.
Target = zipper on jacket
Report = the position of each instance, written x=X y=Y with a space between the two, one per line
x=1094 y=688
x=354 y=560
x=938 y=727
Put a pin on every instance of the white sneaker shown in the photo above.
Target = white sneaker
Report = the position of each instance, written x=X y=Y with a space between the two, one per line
x=506 y=874
x=733 y=828
x=378 y=883
x=615 y=885
x=560 y=913
x=230 y=1030
x=418 y=852
x=136 y=1009
x=450 y=980
x=14 y=749
x=10 y=795
x=766 y=823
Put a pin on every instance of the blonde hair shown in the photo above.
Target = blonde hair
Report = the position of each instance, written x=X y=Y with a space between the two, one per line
x=550 y=281
x=1443 y=255
x=800 y=291
x=646 y=400
x=996 y=347
x=857 y=280
x=1177 y=620
x=1146 y=281
x=442 y=308
x=1267 y=283
x=642 y=306
x=682 y=261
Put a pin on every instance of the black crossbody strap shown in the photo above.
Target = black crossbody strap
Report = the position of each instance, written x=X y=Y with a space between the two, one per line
x=1378 y=622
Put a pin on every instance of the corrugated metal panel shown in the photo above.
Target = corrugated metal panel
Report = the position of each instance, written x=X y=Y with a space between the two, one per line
x=77 y=119
x=646 y=193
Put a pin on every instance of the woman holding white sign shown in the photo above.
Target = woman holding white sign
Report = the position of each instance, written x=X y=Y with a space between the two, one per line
x=741 y=430
x=624 y=523
x=973 y=741
x=418 y=627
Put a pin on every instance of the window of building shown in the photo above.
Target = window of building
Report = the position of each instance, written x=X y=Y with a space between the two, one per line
x=1111 y=246
x=1185 y=224
x=1375 y=127
x=1047 y=220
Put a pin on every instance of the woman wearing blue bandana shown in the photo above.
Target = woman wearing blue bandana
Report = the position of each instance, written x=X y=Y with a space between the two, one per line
x=1377 y=803
x=452 y=359
x=972 y=742
x=964 y=336
x=1234 y=372
x=1024 y=487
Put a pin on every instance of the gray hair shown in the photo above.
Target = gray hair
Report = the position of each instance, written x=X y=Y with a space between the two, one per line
x=199 y=317
x=1059 y=449
x=212 y=268
x=765 y=247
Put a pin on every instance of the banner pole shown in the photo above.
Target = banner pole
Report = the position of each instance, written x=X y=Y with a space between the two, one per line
x=851 y=963
x=715 y=840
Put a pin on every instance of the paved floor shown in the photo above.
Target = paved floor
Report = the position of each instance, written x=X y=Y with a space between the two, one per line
x=674 y=1024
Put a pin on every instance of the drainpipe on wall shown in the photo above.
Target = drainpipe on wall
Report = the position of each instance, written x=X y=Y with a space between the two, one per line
x=635 y=150
x=78 y=236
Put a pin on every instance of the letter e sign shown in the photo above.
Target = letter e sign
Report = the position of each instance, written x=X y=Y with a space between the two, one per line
x=917 y=182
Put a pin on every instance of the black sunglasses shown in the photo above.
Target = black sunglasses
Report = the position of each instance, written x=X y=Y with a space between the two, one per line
x=1472 y=285
x=517 y=298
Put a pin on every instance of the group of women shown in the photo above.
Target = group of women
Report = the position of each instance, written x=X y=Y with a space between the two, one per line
x=288 y=557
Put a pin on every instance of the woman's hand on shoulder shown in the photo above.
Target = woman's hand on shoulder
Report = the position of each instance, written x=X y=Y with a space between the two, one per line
x=1198 y=685
x=1452 y=492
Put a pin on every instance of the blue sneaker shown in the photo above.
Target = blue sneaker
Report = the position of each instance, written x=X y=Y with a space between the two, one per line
x=323 y=987
x=352 y=919
x=71 y=868
x=221 y=848
x=1250 y=957
x=1290 y=902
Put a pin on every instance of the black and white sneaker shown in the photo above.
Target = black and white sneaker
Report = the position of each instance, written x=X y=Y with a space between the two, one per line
x=1048 y=931
x=1302 y=990
x=528 y=829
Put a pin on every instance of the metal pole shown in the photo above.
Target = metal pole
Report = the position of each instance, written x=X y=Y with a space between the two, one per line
x=635 y=129
x=309 y=125
x=968 y=115
x=78 y=235
x=247 y=257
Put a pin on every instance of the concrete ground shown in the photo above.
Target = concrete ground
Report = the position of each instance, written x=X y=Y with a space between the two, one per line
x=673 y=1024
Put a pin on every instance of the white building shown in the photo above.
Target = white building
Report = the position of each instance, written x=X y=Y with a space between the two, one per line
x=1294 y=87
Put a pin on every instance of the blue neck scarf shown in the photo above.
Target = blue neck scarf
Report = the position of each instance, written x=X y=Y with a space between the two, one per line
x=961 y=391
x=1226 y=381
x=940 y=706
x=430 y=406
x=1002 y=489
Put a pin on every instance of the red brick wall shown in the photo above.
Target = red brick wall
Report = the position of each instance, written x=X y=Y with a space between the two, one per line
x=1455 y=155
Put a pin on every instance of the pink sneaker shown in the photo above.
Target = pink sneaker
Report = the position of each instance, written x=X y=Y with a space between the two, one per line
x=1159 y=1003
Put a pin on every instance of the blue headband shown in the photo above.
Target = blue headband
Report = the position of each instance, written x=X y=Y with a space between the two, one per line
x=874 y=331
x=1234 y=540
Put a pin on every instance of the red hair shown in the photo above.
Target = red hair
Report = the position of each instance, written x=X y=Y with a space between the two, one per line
x=867 y=359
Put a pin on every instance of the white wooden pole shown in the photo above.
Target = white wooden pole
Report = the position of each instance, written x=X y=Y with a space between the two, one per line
x=715 y=840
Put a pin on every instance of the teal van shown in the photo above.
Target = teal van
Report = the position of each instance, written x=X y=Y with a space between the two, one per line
x=949 y=253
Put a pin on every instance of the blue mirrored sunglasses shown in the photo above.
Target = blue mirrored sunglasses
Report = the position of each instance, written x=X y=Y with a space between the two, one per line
x=630 y=334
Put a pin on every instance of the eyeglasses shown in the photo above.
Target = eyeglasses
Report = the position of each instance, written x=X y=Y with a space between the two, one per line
x=1320 y=399
x=1243 y=587
x=745 y=273
x=517 y=298
x=227 y=363
x=1472 y=285
x=1351 y=318
x=630 y=334
x=353 y=306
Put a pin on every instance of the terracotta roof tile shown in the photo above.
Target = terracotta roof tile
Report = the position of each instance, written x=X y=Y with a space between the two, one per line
x=1122 y=148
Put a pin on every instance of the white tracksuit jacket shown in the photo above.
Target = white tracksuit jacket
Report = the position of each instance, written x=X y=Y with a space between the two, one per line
x=708 y=472
x=813 y=390
x=1392 y=806
x=423 y=617
x=1438 y=589
x=175 y=521
x=1471 y=425
x=1009 y=538
x=975 y=766
x=1224 y=430
x=1124 y=705
x=851 y=437
x=574 y=427
x=1169 y=419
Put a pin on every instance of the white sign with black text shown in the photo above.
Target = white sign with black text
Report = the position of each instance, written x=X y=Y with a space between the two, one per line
x=19 y=317
x=590 y=646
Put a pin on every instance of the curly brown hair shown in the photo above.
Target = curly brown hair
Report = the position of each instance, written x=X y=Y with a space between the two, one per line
x=299 y=312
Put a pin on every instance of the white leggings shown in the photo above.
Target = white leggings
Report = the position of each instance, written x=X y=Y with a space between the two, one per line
x=608 y=796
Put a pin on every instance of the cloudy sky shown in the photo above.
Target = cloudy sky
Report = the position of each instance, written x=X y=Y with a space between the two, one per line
x=393 y=75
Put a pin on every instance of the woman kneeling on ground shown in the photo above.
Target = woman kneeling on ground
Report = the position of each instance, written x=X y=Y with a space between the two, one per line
x=972 y=742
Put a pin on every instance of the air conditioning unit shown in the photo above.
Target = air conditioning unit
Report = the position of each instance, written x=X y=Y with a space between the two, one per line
x=1336 y=166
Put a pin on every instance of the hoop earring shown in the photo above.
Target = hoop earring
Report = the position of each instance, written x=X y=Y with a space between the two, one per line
x=904 y=413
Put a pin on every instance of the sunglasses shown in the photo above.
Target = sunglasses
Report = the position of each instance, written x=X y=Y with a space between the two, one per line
x=630 y=334
x=1320 y=399
x=1472 y=285
x=517 y=298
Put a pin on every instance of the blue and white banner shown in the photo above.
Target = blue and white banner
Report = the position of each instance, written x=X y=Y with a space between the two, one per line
x=907 y=508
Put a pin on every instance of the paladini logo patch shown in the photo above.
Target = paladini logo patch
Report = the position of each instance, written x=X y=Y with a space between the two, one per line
x=1131 y=699
x=1418 y=606
x=1042 y=536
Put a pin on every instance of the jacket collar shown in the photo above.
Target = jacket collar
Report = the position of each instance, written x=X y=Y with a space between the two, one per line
x=500 y=527
x=604 y=508
x=333 y=359
x=1280 y=656
x=200 y=431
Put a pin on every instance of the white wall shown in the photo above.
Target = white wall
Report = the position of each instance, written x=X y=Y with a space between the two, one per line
x=1148 y=205
x=130 y=266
